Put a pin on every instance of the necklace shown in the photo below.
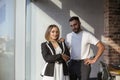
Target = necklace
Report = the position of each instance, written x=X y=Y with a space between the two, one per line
x=53 y=41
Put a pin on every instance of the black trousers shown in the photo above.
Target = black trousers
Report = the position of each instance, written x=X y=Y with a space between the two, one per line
x=78 y=70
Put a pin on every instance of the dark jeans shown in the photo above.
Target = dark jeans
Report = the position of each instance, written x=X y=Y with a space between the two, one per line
x=78 y=70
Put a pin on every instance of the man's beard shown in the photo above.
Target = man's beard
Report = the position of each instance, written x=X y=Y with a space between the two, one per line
x=76 y=30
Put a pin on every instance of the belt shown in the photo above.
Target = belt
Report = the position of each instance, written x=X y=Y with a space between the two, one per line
x=77 y=60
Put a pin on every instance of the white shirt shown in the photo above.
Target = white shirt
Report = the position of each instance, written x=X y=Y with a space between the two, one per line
x=58 y=70
x=79 y=44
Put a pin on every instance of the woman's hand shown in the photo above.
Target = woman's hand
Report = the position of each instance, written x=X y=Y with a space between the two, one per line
x=65 y=57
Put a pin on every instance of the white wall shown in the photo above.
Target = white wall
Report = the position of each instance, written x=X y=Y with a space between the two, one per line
x=45 y=12
x=37 y=36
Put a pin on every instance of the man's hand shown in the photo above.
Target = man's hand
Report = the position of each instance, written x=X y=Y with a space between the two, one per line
x=62 y=39
x=89 y=61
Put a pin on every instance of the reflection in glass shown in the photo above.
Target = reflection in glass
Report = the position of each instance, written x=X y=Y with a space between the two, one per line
x=7 y=40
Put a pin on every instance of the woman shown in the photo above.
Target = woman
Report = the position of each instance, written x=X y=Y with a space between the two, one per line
x=55 y=54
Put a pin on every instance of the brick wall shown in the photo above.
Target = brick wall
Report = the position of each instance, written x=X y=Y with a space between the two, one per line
x=112 y=31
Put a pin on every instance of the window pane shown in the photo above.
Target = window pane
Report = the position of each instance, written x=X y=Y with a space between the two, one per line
x=7 y=40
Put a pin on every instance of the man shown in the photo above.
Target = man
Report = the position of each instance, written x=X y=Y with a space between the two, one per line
x=79 y=41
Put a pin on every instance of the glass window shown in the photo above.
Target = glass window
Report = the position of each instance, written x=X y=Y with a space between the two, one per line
x=7 y=40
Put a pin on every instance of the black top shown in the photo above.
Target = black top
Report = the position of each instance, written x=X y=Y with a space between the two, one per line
x=47 y=49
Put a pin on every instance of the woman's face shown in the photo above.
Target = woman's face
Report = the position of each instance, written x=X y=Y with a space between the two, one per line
x=54 y=33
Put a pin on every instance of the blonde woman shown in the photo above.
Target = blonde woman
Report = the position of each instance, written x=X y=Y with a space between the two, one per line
x=55 y=54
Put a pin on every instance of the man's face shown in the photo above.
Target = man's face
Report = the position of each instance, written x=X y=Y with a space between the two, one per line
x=75 y=25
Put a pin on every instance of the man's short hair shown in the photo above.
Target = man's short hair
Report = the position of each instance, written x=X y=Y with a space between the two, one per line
x=74 y=18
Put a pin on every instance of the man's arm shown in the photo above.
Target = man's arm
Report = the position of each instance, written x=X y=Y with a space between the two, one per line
x=100 y=50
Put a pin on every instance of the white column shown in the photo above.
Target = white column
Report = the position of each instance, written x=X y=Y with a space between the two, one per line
x=20 y=40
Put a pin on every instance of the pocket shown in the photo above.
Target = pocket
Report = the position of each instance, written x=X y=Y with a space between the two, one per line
x=70 y=63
